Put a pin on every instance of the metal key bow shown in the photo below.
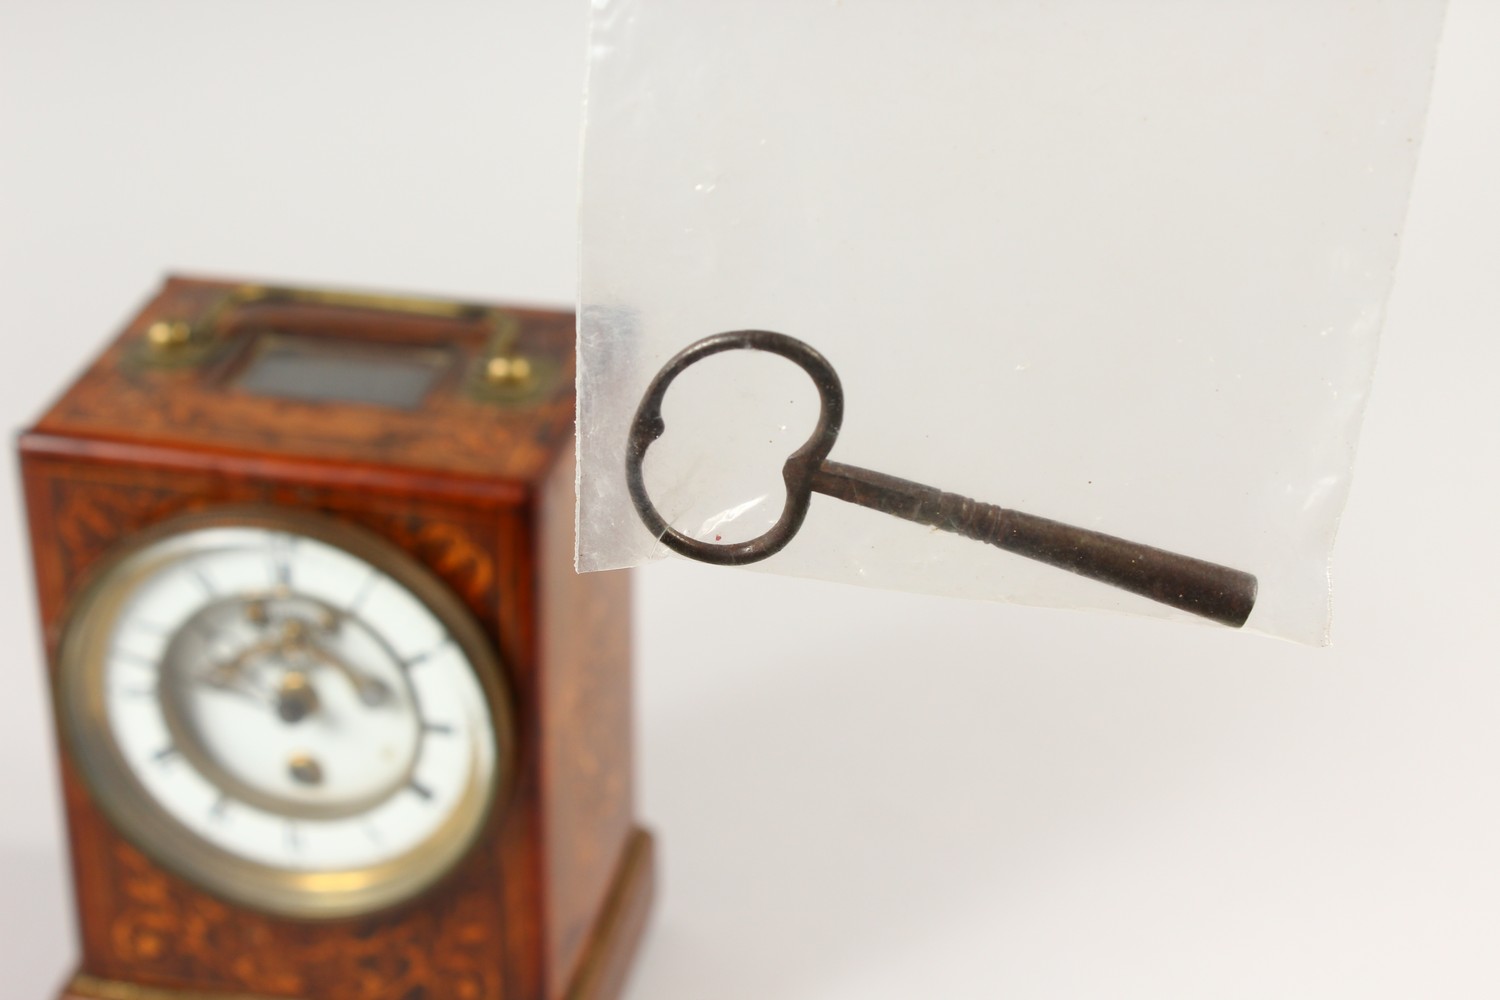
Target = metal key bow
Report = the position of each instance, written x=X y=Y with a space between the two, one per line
x=1202 y=588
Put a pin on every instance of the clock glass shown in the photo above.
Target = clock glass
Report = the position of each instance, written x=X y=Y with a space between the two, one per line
x=289 y=712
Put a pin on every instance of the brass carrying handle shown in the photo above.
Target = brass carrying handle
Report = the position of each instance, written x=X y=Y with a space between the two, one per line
x=502 y=325
x=173 y=339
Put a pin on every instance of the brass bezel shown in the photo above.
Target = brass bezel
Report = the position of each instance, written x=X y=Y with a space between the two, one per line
x=298 y=894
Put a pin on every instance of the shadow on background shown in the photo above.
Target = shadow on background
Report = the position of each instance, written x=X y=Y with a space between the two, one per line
x=856 y=772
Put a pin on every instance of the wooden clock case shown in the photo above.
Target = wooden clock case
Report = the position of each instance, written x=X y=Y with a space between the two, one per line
x=476 y=482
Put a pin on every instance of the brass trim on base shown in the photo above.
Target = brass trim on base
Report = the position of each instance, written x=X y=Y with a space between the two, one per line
x=86 y=987
x=617 y=932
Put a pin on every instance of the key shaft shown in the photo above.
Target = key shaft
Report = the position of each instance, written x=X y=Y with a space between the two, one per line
x=1202 y=588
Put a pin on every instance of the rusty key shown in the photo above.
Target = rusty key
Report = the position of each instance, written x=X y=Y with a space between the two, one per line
x=1202 y=588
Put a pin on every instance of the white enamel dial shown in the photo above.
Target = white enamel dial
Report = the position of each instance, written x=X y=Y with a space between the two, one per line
x=295 y=722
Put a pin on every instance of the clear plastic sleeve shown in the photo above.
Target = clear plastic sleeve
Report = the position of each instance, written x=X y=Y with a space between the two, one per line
x=1118 y=265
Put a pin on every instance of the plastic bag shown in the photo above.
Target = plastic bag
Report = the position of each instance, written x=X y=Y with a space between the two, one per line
x=1122 y=266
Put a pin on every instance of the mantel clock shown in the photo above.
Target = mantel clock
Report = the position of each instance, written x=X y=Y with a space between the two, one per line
x=337 y=719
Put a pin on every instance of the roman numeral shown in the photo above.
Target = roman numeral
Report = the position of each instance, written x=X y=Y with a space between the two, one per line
x=281 y=560
x=134 y=659
x=421 y=658
x=205 y=582
x=363 y=593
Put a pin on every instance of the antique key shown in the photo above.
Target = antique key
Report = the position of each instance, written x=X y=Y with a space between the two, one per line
x=1202 y=588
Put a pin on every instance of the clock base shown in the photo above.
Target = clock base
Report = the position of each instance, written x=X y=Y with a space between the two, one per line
x=617 y=933
x=601 y=975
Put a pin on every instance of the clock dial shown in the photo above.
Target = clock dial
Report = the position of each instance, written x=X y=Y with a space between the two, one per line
x=292 y=713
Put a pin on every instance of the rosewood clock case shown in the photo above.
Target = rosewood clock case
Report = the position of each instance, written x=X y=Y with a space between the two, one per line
x=220 y=395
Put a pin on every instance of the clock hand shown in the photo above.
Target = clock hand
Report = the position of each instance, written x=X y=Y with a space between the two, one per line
x=372 y=690
x=225 y=674
x=231 y=685
x=298 y=637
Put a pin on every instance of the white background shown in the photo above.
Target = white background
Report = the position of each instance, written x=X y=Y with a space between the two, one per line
x=859 y=794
